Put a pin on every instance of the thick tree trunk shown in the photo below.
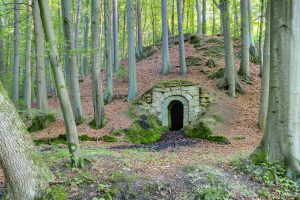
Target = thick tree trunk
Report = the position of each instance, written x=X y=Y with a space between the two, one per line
x=72 y=62
x=165 y=39
x=26 y=175
x=99 y=114
x=2 y=63
x=244 y=67
x=132 y=90
x=183 y=69
x=230 y=78
x=204 y=17
x=62 y=91
x=27 y=78
x=42 y=99
x=140 y=49
x=108 y=53
x=199 y=22
x=281 y=141
x=115 y=35
x=16 y=51
x=264 y=95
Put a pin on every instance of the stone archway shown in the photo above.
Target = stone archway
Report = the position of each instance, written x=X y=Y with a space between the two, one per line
x=166 y=118
x=175 y=116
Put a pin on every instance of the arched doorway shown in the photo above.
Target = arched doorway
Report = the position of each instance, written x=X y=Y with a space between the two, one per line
x=176 y=112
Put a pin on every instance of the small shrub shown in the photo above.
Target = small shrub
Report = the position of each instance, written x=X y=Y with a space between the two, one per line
x=93 y=125
x=218 y=74
x=122 y=74
x=56 y=193
x=41 y=120
x=109 y=138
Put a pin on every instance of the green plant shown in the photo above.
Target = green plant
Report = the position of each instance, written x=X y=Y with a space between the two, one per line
x=218 y=74
x=109 y=138
x=57 y=192
x=93 y=125
x=122 y=74
x=41 y=119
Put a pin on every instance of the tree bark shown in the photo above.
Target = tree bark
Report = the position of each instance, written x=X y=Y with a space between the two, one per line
x=252 y=44
x=71 y=130
x=99 y=114
x=204 y=17
x=115 y=35
x=261 y=27
x=140 y=49
x=165 y=39
x=132 y=90
x=16 y=52
x=230 y=78
x=264 y=95
x=199 y=22
x=27 y=75
x=42 y=99
x=244 y=67
x=108 y=53
x=85 y=63
x=183 y=68
x=281 y=141
x=26 y=175
x=2 y=63
x=72 y=62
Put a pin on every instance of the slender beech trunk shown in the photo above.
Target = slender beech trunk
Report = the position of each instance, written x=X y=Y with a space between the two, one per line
x=204 y=17
x=132 y=90
x=2 y=63
x=27 y=75
x=42 y=99
x=124 y=34
x=183 y=69
x=261 y=27
x=165 y=39
x=99 y=114
x=251 y=37
x=281 y=140
x=62 y=91
x=26 y=175
x=264 y=95
x=115 y=35
x=173 y=17
x=214 y=19
x=140 y=49
x=199 y=22
x=152 y=23
x=17 y=36
x=108 y=53
x=244 y=66
x=77 y=33
x=72 y=62
x=230 y=78
x=85 y=63
x=236 y=18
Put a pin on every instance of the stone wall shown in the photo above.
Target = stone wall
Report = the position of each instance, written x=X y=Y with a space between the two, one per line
x=157 y=100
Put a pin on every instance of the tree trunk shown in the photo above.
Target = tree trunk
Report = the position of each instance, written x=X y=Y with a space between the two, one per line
x=252 y=44
x=140 y=50
x=214 y=19
x=264 y=95
x=108 y=53
x=281 y=141
x=27 y=75
x=85 y=63
x=236 y=18
x=261 y=27
x=199 y=22
x=165 y=39
x=173 y=17
x=115 y=35
x=244 y=67
x=72 y=62
x=204 y=17
x=2 y=63
x=183 y=69
x=65 y=103
x=42 y=99
x=230 y=78
x=132 y=90
x=99 y=115
x=26 y=175
x=16 y=51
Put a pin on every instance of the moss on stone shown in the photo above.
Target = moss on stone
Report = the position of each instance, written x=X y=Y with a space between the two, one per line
x=41 y=120
x=174 y=83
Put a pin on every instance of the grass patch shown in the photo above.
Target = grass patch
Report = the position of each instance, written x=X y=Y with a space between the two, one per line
x=202 y=131
x=109 y=138
x=62 y=139
x=57 y=192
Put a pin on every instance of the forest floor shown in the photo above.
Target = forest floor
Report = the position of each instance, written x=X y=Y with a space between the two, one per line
x=175 y=167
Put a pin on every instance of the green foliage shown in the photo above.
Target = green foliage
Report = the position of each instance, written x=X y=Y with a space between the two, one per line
x=218 y=74
x=56 y=193
x=202 y=131
x=93 y=125
x=271 y=175
x=41 y=119
x=61 y=139
x=216 y=190
x=138 y=135
x=122 y=74
x=109 y=138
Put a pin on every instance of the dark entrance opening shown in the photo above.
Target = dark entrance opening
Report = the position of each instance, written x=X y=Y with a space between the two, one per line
x=175 y=116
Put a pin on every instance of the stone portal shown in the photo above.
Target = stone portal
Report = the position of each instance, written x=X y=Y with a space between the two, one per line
x=175 y=116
